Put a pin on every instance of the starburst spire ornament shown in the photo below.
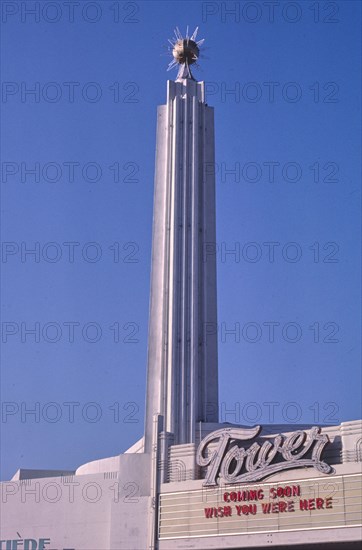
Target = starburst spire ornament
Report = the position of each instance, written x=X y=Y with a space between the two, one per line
x=185 y=52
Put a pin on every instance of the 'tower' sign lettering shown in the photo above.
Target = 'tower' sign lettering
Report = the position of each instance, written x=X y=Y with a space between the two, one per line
x=257 y=459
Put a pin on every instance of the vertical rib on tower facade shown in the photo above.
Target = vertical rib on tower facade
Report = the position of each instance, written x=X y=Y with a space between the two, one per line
x=182 y=378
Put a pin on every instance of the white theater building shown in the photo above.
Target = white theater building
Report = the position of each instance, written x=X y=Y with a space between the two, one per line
x=191 y=482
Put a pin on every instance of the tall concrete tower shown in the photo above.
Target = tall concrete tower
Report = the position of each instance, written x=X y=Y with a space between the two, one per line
x=182 y=376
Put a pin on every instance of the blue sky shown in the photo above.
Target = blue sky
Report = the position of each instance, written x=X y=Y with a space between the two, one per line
x=286 y=92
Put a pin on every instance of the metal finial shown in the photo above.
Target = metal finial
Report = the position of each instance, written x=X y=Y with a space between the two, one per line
x=185 y=52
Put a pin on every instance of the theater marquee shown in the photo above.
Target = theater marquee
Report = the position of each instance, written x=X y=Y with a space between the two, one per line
x=314 y=503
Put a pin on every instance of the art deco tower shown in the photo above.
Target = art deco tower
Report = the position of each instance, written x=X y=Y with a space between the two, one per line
x=182 y=379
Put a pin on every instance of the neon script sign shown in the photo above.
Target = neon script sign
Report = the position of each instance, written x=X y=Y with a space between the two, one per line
x=234 y=464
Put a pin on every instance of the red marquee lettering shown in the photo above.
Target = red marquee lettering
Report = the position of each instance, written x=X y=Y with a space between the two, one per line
x=209 y=512
x=319 y=503
x=288 y=491
x=296 y=490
